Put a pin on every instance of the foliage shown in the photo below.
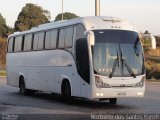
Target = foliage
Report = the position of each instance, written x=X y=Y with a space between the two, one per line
x=31 y=16
x=146 y=41
x=3 y=47
x=66 y=16
x=3 y=26
x=158 y=41
x=152 y=68
x=146 y=32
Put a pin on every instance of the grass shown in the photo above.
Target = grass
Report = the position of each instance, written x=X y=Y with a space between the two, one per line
x=153 y=80
x=2 y=73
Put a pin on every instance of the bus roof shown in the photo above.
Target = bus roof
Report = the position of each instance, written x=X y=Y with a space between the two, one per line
x=90 y=23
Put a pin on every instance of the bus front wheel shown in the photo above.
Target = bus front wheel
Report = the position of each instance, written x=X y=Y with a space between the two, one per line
x=113 y=101
x=66 y=91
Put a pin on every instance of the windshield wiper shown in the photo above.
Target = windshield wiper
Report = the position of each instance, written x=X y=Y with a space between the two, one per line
x=128 y=67
x=116 y=62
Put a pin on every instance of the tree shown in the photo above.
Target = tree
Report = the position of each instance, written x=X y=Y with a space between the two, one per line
x=146 y=32
x=31 y=16
x=3 y=26
x=66 y=16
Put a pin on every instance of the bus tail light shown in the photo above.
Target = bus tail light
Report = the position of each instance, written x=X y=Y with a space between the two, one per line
x=141 y=83
x=100 y=84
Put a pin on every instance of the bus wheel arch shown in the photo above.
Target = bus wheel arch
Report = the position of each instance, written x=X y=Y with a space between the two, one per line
x=66 y=90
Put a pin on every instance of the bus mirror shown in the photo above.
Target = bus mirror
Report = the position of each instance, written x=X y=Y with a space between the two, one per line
x=91 y=38
x=153 y=40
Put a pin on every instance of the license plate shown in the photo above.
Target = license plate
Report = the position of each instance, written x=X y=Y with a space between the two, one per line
x=122 y=94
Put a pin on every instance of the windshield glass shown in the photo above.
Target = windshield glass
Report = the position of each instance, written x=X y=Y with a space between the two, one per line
x=112 y=47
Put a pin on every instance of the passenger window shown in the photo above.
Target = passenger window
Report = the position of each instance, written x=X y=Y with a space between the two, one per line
x=47 y=39
x=29 y=42
x=61 y=38
x=69 y=37
x=53 y=42
x=19 y=43
x=16 y=44
x=41 y=40
x=35 y=42
x=10 y=44
x=79 y=31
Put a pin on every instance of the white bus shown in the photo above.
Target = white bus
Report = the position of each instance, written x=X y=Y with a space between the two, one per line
x=90 y=57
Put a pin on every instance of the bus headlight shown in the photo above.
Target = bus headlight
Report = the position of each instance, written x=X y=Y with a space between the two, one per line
x=141 y=83
x=100 y=84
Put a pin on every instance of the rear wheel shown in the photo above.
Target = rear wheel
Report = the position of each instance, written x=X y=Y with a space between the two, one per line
x=66 y=91
x=22 y=87
x=113 y=101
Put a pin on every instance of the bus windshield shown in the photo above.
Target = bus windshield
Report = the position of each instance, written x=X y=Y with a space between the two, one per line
x=117 y=53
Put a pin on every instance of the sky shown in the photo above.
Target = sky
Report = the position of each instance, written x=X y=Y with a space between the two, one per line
x=144 y=14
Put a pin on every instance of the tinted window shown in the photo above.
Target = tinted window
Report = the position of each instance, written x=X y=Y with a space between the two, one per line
x=41 y=41
x=47 y=39
x=61 y=38
x=53 y=42
x=82 y=58
x=10 y=44
x=111 y=45
x=35 y=42
x=29 y=42
x=18 y=44
x=79 y=31
x=69 y=37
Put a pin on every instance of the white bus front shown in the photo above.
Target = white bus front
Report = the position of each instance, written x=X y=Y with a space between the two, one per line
x=118 y=64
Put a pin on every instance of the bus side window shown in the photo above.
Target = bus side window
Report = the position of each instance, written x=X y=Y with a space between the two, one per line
x=47 y=39
x=53 y=42
x=29 y=42
x=41 y=40
x=79 y=31
x=35 y=42
x=10 y=44
x=69 y=37
x=19 y=43
x=25 y=43
x=62 y=34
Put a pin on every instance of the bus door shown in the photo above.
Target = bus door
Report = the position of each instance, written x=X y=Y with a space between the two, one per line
x=82 y=60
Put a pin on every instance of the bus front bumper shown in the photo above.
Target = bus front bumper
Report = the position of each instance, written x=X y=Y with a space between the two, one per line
x=118 y=93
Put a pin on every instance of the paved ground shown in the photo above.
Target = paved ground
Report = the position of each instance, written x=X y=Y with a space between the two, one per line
x=13 y=103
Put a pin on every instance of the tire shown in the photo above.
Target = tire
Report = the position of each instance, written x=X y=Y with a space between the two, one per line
x=113 y=101
x=22 y=87
x=66 y=91
x=23 y=90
